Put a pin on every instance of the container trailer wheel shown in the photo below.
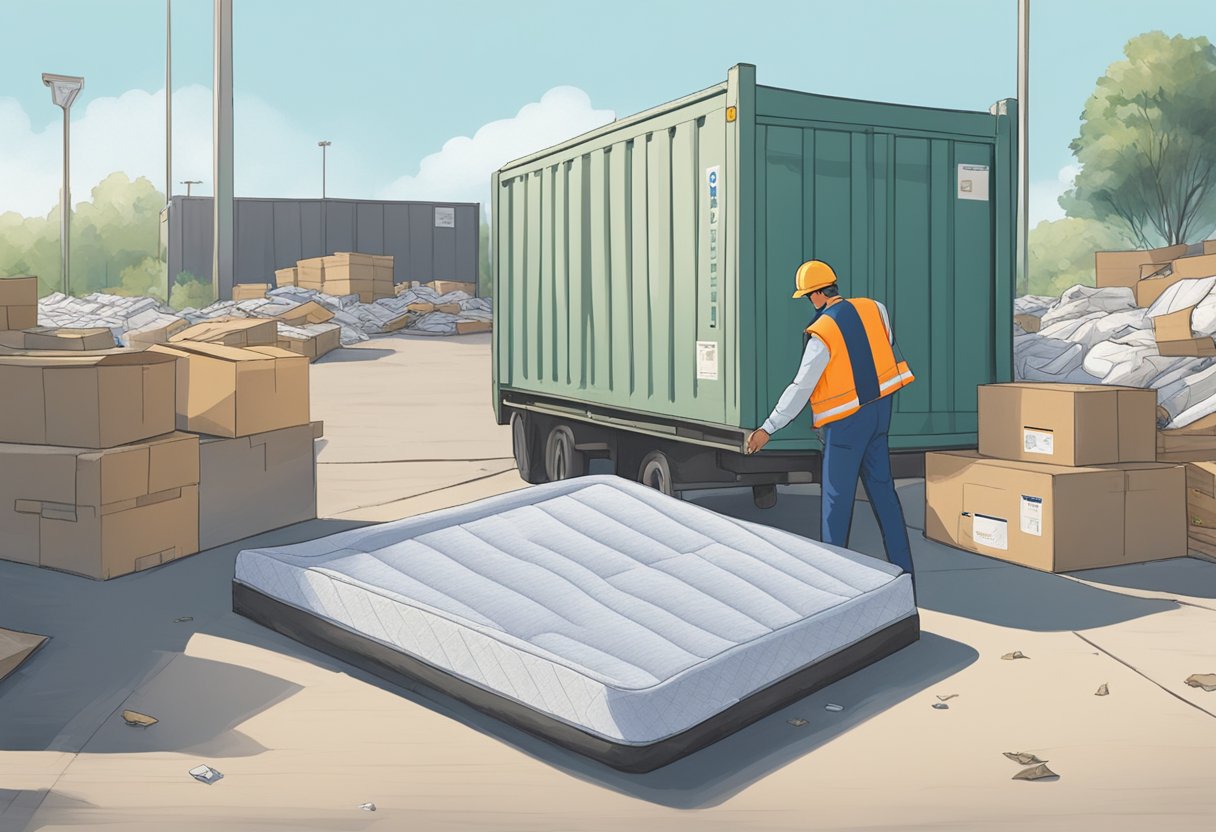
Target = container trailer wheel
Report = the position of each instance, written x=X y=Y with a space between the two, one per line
x=524 y=446
x=562 y=459
x=655 y=472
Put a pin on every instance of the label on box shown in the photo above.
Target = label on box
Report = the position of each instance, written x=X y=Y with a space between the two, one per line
x=992 y=532
x=707 y=360
x=1032 y=515
x=1036 y=441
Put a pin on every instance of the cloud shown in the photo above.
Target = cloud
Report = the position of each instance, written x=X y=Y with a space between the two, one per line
x=460 y=172
x=126 y=133
x=1043 y=200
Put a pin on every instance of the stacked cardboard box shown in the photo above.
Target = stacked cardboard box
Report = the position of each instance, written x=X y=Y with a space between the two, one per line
x=232 y=332
x=58 y=338
x=1123 y=268
x=348 y=273
x=1065 y=478
x=1175 y=337
x=18 y=302
x=93 y=480
x=286 y=277
x=250 y=291
x=443 y=287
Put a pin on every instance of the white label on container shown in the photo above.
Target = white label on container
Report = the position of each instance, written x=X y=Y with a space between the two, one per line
x=713 y=185
x=707 y=360
x=445 y=217
x=1036 y=441
x=1032 y=515
x=992 y=532
x=973 y=182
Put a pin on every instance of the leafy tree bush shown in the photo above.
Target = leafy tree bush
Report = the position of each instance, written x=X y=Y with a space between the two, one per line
x=1061 y=252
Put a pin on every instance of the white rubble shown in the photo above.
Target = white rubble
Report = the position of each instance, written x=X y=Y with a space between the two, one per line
x=358 y=321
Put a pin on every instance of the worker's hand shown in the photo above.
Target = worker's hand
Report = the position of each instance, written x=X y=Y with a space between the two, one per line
x=757 y=440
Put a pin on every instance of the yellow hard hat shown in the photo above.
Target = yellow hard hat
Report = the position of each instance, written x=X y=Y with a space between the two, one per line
x=813 y=275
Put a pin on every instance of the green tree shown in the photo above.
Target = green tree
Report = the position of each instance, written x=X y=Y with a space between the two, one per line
x=191 y=291
x=1061 y=252
x=485 y=277
x=1147 y=143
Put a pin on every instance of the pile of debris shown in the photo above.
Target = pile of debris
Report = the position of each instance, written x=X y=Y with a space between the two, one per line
x=412 y=310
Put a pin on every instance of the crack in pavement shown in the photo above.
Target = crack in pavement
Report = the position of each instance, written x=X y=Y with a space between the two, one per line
x=1139 y=672
x=424 y=493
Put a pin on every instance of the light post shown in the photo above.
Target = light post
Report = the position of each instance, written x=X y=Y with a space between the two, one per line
x=64 y=89
x=189 y=182
x=324 y=145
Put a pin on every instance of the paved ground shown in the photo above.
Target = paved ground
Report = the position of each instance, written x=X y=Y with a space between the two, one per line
x=303 y=740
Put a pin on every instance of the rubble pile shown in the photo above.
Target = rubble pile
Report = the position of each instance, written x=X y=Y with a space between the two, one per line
x=358 y=321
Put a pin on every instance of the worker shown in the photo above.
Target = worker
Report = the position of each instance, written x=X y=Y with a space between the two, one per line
x=849 y=372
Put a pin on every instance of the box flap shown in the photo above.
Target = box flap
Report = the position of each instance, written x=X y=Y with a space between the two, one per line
x=217 y=351
x=1201 y=265
x=120 y=357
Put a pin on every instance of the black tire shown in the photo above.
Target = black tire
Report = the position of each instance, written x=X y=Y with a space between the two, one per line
x=562 y=459
x=655 y=472
x=524 y=446
x=764 y=496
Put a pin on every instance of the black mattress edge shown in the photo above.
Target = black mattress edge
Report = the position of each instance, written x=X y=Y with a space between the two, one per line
x=408 y=672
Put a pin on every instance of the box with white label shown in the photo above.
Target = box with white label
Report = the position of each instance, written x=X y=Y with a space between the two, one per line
x=1068 y=424
x=1053 y=517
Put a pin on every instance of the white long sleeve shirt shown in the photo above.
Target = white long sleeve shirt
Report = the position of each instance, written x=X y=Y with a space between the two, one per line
x=798 y=394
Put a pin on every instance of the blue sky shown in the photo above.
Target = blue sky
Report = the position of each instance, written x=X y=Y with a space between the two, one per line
x=391 y=82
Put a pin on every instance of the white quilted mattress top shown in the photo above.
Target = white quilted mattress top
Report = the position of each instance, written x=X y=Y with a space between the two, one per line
x=598 y=601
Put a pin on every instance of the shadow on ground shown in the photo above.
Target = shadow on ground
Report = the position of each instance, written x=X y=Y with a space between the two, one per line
x=1182 y=576
x=344 y=355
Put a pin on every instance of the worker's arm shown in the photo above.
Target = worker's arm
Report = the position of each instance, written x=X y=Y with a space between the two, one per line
x=886 y=321
x=798 y=394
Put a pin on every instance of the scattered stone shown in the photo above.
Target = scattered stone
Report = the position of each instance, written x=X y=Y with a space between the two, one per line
x=1103 y=690
x=941 y=706
x=1207 y=681
x=947 y=697
x=368 y=807
x=1039 y=772
x=797 y=723
x=138 y=720
x=833 y=708
x=183 y=619
x=205 y=774
x=1022 y=758
x=1016 y=654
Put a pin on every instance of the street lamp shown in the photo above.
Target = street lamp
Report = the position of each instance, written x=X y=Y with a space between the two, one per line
x=324 y=145
x=64 y=89
x=189 y=182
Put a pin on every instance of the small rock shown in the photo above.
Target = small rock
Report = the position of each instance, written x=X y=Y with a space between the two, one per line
x=183 y=619
x=833 y=708
x=368 y=807
x=138 y=720
x=1039 y=772
x=1207 y=681
x=1022 y=758
x=797 y=723
x=205 y=774
x=1103 y=690
x=1016 y=654
x=948 y=697
x=941 y=706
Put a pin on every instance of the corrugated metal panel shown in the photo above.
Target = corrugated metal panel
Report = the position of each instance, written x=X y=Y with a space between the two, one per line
x=607 y=260
x=275 y=233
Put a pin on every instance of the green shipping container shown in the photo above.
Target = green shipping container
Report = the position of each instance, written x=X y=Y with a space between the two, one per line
x=643 y=273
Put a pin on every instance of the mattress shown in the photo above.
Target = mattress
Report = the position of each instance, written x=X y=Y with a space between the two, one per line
x=600 y=614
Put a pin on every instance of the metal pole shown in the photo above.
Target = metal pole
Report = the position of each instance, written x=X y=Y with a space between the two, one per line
x=323 y=149
x=1023 y=276
x=221 y=149
x=168 y=101
x=66 y=209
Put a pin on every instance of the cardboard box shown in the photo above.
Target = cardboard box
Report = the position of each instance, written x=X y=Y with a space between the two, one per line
x=445 y=286
x=1067 y=424
x=232 y=332
x=286 y=277
x=15 y=648
x=1053 y=517
x=18 y=302
x=1122 y=268
x=1200 y=265
x=310 y=273
x=85 y=399
x=420 y=307
x=306 y=313
x=382 y=270
x=1029 y=323
x=311 y=341
x=59 y=338
x=230 y=391
x=155 y=334
x=1195 y=442
x=396 y=324
x=448 y=308
x=471 y=327
x=253 y=484
x=250 y=291
x=1209 y=246
x=318 y=429
x=100 y=513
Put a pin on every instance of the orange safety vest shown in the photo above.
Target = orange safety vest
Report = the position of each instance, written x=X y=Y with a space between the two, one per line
x=862 y=366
